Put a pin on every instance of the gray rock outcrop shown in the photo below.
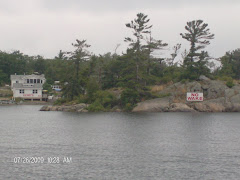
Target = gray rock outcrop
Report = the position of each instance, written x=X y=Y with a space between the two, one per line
x=203 y=78
x=153 y=105
x=213 y=89
x=180 y=107
x=214 y=105
x=217 y=98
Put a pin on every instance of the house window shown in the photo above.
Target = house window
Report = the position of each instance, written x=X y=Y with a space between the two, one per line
x=21 y=91
x=28 y=81
x=35 y=81
x=38 y=80
x=41 y=81
x=16 y=81
x=31 y=81
x=35 y=91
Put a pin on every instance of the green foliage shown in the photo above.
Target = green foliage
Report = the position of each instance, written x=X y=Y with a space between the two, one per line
x=225 y=78
x=172 y=73
x=194 y=70
x=40 y=65
x=96 y=107
x=103 y=100
x=163 y=95
x=107 y=99
x=140 y=52
x=230 y=64
x=140 y=27
x=11 y=63
x=198 y=36
x=92 y=88
x=111 y=74
x=47 y=87
x=60 y=101
x=190 y=73
x=81 y=99
x=128 y=107
x=230 y=83
x=18 y=100
x=3 y=78
x=74 y=87
x=6 y=92
x=165 y=79
x=76 y=81
x=228 y=80
x=129 y=98
x=184 y=81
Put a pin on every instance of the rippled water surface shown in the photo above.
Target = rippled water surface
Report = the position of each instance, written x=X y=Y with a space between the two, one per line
x=119 y=145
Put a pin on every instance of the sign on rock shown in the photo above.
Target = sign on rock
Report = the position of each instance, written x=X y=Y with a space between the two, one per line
x=193 y=96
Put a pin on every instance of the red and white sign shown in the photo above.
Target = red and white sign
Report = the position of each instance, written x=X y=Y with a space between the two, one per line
x=194 y=96
x=28 y=95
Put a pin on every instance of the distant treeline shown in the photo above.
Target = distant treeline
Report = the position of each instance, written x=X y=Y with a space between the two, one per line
x=134 y=71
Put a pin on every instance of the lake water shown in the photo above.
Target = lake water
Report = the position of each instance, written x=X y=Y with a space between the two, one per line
x=118 y=145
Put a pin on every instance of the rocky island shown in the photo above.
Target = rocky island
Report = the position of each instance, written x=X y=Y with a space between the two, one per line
x=217 y=98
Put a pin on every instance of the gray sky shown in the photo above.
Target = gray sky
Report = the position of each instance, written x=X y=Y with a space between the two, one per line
x=45 y=26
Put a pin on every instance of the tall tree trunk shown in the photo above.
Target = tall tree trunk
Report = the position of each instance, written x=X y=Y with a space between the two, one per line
x=77 y=68
x=137 y=70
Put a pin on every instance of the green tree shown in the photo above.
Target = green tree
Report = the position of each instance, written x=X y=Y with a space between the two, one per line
x=61 y=55
x=140 y=27
x=47 y=87
x=199 y=36
x=152 y=45
x=76 y=81
x=40 y=65
x=230 y=64
x=174 y=54
x=80 y=54
x=129 y=98
x=3 y=78
x=92 y=87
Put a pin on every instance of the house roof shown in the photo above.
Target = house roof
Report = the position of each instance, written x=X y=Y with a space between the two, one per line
x=16 y=77
x=23 y=86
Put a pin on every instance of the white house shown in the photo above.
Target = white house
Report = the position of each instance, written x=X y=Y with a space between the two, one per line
x=27 y=86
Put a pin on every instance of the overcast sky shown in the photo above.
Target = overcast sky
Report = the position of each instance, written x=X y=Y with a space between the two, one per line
x=43 y=27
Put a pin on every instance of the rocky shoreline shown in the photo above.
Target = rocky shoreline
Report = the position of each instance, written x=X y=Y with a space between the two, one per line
x=66 y=108
x=217 y=98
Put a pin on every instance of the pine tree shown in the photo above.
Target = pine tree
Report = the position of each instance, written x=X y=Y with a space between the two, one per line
x=198 y=35
x=140 y=27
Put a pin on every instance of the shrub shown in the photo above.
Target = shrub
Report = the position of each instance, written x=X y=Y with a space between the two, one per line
x=106 y=98
x=164 y=95
x=92 y=87
x=82 y=99
x=230 y=83
x=47 y=87
x=129 y=98
x=103 y=101
x=60 y=101
x=18 y=99
x=225 y=78
x=166 y=79
x=183 y=81
x=96 y=107
x=128 y=107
